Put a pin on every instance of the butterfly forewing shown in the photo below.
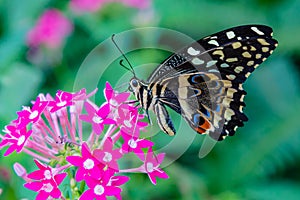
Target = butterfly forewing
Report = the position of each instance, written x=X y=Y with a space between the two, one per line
x=234 y=53
x=203 y=81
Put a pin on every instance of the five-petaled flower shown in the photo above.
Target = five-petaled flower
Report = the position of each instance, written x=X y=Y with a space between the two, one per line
x=15 y=138
x=107 y=186
x=47 y=182
x=135 y=144
x=107 y=155
x=129 y=120
x=115 y=99
x=151 y=166
x=97 y=117
x=87 y=164
x=28 y=115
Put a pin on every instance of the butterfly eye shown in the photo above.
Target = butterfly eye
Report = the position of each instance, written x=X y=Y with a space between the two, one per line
x=134 y=83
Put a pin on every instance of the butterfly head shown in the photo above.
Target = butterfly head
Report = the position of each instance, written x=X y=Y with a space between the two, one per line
x=134 y=85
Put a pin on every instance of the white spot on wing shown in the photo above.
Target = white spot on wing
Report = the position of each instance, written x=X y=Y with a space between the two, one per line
x=211 y=63
x=230 y=34
x=192 y=51
x=256 y=30
x=214 y=42
x=213 y=70
x=197 y=61
x=224 y=65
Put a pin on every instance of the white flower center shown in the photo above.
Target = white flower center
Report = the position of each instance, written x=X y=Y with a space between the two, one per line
x=149 y=167
x=127 y=123
x=88 y=164
x=61 y=104
x=107 y=157
x=99 y=190
x=113 y=102
x=21 y=140
x=47 y=174
x=132 y=143
x=47 y=187
x=97 y=119
x=34 y=114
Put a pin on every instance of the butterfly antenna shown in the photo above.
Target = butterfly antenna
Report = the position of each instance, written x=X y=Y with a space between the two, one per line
x=121 y=61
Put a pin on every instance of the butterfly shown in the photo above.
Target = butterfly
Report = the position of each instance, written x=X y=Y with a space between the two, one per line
x=203 y=82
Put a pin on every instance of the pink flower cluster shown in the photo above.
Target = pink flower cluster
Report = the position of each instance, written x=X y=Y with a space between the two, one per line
x=52 y=27
x=50 y=30
x=54 y=133
x=95 y=5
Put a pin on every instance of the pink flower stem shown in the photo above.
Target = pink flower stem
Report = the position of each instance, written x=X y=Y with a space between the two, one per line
x=79 y=128
x=36 y=155
x=54 y=124
x=91 y=138
x=116 y=136
x=108 y=132
x=132 y=170
x=42 y=149
x=67 y=122
x=45 y=126
x=73 y=125
x=63 y=120
x=55 y=134
x=62 y=168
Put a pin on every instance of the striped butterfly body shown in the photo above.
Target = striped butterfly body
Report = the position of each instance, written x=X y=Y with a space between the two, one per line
x=203 y=81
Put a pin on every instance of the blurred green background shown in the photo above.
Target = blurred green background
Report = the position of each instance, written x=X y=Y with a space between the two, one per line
x=261 y=162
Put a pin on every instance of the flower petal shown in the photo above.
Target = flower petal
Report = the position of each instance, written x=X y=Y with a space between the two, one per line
x=74 y=160
x=55 y=193
x=108 y=91
x=60 y=177
x=35 y=186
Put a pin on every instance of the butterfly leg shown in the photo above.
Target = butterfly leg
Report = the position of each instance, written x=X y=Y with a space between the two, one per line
x=163 y=119
x=148 y=116
x=131 y=102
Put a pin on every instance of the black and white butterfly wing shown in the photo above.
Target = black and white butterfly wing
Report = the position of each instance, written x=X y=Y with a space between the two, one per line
x=234 y=51
x=206 y=78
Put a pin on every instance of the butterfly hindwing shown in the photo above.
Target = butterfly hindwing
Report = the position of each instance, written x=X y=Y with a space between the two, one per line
x=207 y=103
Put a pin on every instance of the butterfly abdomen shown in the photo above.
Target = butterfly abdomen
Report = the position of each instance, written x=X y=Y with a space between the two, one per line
x=151 y=98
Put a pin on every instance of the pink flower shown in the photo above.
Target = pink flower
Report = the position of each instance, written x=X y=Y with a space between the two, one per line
x=87 y=163
x=141 y=4
x=135 y=144
x=107 y=186
x=107 y=155
x=31 y=115
x=151 y=166
x=86 y=5
x=113 y=98
x=129 y=120
x=62 y=99
x=97 y=117
x=50 y=30
x=47 y=184
x=15 y=138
